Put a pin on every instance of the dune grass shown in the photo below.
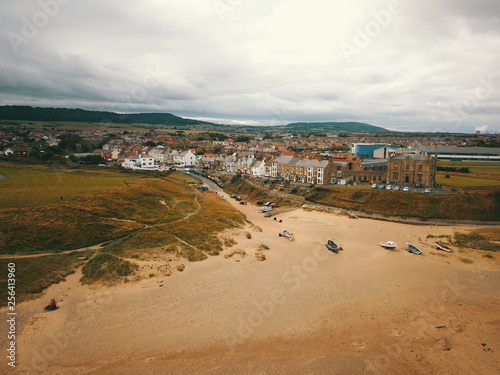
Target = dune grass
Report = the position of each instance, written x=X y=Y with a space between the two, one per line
x=107 y=268
x=473 y=205
x=487 y=239
x=34 y=275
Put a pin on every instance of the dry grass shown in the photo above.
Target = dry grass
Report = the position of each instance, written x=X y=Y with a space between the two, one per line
x=239 y=252
x=260 y=257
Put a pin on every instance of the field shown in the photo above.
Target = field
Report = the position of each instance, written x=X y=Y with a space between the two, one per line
x=465 y=181
x=28 y=187
x=144 y=219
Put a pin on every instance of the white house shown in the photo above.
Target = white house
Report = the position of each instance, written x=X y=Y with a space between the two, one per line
x=143 y=162
x=259 y=168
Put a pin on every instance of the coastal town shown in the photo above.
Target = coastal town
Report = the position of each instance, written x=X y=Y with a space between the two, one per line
x=314 y=159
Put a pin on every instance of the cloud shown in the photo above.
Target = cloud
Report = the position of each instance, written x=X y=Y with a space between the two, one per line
x=260 y=62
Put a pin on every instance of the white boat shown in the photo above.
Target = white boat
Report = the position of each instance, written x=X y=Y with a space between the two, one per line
x=286 y=234
x=444 y=247
x=389 y=244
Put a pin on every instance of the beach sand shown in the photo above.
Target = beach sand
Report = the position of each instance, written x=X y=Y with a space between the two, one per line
x=304 y=310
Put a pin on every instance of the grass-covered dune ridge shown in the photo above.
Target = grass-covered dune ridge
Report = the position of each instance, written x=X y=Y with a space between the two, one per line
x=116 y=214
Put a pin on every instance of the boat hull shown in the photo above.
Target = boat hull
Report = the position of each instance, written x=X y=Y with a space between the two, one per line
x=413 y=249
x=389 y=245
x=332 y=246
x=443 y=247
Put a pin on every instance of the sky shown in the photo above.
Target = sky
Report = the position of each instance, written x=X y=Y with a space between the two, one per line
x=407 y=65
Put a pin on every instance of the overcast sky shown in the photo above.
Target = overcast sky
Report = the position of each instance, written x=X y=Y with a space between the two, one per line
x=419 y=65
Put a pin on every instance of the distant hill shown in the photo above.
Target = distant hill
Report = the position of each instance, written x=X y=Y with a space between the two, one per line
x=355 y=127
x=27 y=113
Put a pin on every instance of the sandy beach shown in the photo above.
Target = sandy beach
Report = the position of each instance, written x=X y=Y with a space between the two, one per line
x=304 y=310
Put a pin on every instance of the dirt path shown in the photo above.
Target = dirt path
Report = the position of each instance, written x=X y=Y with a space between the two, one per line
x=95 y=247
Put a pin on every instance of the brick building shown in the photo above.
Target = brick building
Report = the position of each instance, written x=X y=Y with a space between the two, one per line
x=409 y=169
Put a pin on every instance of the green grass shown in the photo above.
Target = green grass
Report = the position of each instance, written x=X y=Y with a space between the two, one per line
x=24 y=187
x=460 y=164
x=487 y=170
x=34 y=275
x=466 y=181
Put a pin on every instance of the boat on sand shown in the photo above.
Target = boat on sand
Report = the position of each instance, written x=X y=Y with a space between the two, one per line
x=286 y=234
x=332 y=246
x=389 y=244
x=413 y=249
x=442 y=246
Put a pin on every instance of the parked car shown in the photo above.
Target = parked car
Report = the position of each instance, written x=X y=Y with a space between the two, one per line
x=428 y=190
x=374 y=186
x=382 y=186
x=418 y=185
x=243 y=202
x=260 y=203
x=388 y=187
x=396 y=188
x=274 y=205
x=406 y=188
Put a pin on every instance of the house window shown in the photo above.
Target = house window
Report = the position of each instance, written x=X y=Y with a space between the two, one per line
x=396 y=165
x=420 y=167
x=419 y=177
x=395 y=176
x=407 y=167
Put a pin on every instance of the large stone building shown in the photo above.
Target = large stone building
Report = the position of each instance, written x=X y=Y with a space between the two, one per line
x=409 y=169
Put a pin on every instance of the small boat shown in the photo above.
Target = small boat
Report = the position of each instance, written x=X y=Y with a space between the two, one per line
x=266 y=209
x=287 y=234
x=413 y=249
x=442 y=246
x=389 y=244
x=332 y=246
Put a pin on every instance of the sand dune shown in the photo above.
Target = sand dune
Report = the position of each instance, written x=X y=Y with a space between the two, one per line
x=304 y=310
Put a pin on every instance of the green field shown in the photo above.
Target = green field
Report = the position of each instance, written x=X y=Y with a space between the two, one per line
x=461 y=164
x=464 y=181
x=33 y=187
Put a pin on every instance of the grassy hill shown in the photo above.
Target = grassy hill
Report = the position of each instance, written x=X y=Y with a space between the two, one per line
x=354 y=127
x=27 y=113
x=149 y=218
